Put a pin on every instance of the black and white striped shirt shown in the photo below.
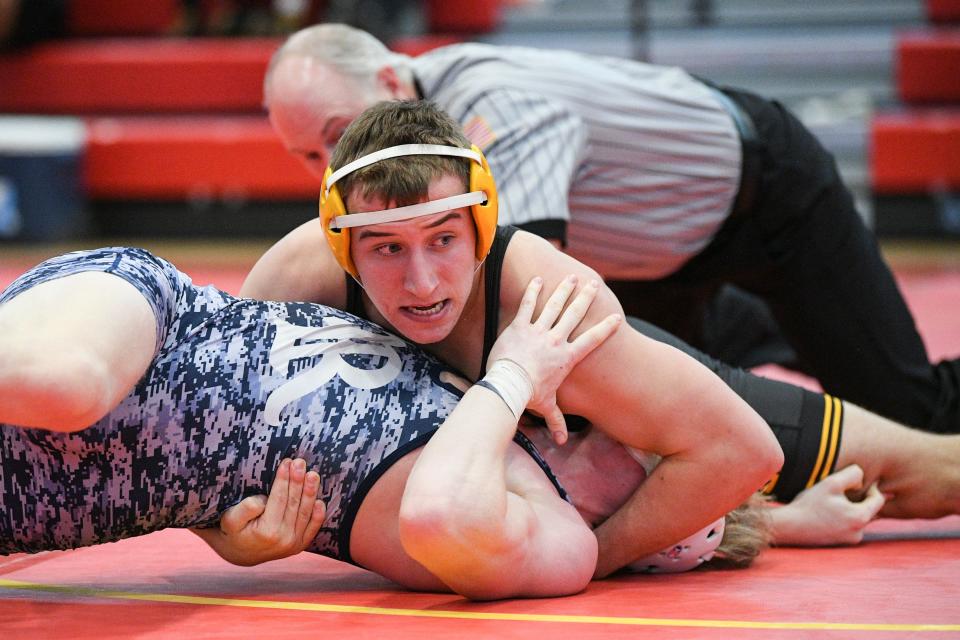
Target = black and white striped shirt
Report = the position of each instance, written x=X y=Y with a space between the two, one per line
x=641 y=161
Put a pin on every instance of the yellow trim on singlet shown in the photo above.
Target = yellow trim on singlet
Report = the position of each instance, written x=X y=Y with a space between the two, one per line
x=834 y=438
x=317 y=607
x=829 y=439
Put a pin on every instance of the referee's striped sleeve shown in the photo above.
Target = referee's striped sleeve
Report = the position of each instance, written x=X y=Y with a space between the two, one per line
x=535 y=149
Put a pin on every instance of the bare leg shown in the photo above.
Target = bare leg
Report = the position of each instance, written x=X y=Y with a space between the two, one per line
x=71 y=349
x=918 y=471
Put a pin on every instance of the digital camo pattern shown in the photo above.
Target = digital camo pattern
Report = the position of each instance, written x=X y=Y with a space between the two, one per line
x=236 y=386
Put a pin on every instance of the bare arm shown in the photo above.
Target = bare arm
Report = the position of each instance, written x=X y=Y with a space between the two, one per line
x=716 y=450
x=474 y=519
x=71 y=349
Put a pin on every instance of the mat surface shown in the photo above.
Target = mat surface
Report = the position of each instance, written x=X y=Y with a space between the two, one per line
x=904 y=581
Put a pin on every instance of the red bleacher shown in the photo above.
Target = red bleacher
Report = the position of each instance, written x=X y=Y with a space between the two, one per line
x=171 y=119
x=113 y=17
x=232 y=157
x=928 y=66
x=476 y=16
x=917 y=151
x=943 y=11
x=136 y=75
x=205 y=135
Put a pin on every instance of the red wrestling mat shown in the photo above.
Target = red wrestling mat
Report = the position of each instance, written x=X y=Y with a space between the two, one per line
x=169 y=584
x=904 y=582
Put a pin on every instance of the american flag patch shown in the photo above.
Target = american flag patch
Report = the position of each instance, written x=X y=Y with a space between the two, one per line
x=479 y=132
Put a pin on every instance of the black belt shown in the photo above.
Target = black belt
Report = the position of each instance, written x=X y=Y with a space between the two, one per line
x=750 y=147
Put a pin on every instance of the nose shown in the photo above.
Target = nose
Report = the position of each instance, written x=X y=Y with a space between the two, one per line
x=420 y=277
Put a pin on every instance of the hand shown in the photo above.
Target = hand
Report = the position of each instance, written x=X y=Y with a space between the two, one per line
x=542 y=347
x=824 y=515
x=261 y=528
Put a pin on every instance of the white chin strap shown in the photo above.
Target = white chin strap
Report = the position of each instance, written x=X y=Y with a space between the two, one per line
x=412 y=211
x=687 y=554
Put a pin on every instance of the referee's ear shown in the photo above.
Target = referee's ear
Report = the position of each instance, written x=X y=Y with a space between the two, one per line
x=389 y=81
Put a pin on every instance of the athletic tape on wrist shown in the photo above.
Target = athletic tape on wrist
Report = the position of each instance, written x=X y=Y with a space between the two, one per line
x=508 y=380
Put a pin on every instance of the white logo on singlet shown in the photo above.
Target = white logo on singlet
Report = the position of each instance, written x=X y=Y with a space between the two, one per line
x=336 y=338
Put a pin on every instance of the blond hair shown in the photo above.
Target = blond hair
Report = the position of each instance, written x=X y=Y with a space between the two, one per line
x=746 y=534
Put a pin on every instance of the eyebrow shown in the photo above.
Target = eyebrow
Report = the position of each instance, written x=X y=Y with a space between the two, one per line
x=370 y=233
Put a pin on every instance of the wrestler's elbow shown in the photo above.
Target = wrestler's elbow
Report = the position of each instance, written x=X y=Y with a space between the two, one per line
x=760 y=455
x=457 y=549
x=435 y=532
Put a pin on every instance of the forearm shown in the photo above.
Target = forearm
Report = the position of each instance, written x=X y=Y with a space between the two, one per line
x=459 y=478
x=716 y=450
x=682 y=495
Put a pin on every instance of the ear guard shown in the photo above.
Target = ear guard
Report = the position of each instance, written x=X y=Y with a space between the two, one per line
x=482 y=200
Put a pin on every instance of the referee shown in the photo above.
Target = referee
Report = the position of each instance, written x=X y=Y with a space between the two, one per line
x=669 y=186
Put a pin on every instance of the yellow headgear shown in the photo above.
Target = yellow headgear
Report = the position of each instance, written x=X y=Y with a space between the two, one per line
x=482 y=200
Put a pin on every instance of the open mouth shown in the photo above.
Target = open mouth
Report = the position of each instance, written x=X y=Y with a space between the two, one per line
x=426 y=312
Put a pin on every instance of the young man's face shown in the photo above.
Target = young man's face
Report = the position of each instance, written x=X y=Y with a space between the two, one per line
x=419 y=273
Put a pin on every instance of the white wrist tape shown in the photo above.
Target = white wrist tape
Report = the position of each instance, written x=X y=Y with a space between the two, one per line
x=508 y=380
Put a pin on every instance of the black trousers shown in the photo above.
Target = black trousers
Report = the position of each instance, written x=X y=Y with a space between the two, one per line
x=802 y=248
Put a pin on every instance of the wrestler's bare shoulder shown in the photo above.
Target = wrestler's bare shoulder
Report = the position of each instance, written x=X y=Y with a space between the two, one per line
x=299 y=267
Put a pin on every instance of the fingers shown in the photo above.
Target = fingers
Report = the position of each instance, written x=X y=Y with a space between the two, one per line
x=318 y=513
x=241 y=514
x=307 y=506
x=577 y=310
x=847 y=479
x=873 y=501
x=594 y=337
x=277 y=501
x=556 y=302
x=556 y=424
x=529 y=301
x=293 y=505
x=295 y=489
x=461 y=383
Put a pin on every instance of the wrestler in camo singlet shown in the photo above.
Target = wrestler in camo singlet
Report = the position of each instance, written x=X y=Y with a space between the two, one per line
x=235 y=386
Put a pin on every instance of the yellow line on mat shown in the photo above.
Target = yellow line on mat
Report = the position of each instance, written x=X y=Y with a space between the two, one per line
x=468 y=615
